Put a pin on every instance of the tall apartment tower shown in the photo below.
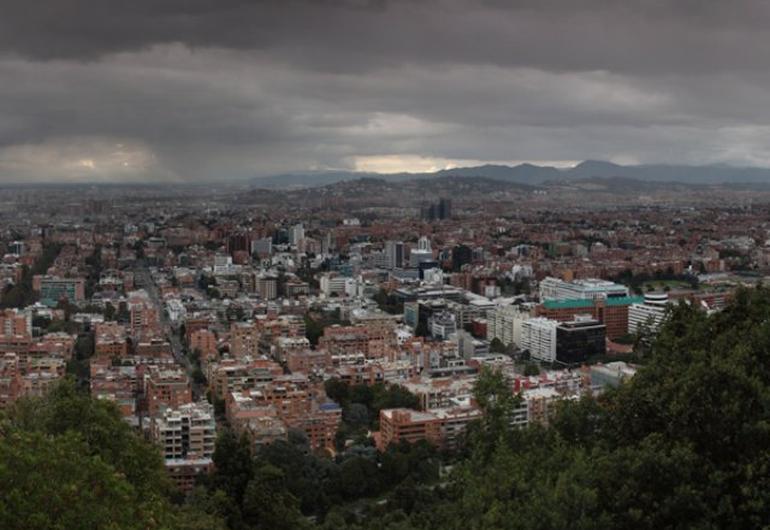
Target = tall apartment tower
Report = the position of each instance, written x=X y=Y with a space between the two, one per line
x=185 y=432
x=444 y=209
x=437 y=210
x=394 y=251
x=296 y=234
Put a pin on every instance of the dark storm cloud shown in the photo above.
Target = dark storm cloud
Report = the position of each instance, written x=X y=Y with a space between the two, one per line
x=353 y=34
x=207 y=89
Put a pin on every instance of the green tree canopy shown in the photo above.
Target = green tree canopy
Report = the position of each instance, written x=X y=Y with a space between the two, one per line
x=68 y=461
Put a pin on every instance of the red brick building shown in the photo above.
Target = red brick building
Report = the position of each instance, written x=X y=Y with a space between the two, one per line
x=612 y=311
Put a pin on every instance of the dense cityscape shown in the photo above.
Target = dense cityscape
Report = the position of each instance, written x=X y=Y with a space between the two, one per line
x=384 y=265
x=354 y=336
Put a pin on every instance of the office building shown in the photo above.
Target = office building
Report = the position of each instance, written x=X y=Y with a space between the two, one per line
x=556 y=289
x=186 y=431
x=579 y=339
x=468 y=346
x=166 y=387
x=612 y=312
x=394 y=253
x=442 y=325
x=461 y=255
x=15 y=322
x=423 y=253
x=648 y=315
x=437 y=211
x=267 y=286
x=238 y=242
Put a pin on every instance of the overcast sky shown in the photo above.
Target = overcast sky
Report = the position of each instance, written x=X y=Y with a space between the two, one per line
x=192 y=90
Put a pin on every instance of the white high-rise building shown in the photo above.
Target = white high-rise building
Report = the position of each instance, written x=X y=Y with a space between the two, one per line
x=649 y=314
x=422 y=253
x=296 y=234
x=538 y=336
x=504 y=323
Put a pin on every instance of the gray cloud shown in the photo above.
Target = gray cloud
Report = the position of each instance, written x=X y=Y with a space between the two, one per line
x=213 y=89
x=654 y=35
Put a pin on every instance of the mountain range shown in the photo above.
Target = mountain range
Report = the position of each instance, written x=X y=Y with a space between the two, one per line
x=533 y=175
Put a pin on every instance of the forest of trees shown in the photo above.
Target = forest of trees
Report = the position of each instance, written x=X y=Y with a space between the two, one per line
x=68 y=461
x=683 y=444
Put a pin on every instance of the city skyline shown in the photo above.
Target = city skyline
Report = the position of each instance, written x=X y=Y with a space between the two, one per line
x=384 y=264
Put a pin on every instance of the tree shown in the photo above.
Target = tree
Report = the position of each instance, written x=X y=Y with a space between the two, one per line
x=422 y=329
x=313 y=330
x=267 y=504
x=70 y=461
x=531 y=369
x=199 y=378
x=494 y=395
x=51 y=482
x=84 y=346
x=363 y=394
x=337 y=390
x=233 y=462
x=392 y=397
x=496 y=346
x=357 y=478
x=105 y=435
x=356 y=415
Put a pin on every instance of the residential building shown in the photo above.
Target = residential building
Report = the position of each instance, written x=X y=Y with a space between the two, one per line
x=440 y=427
x=186 y=435
x=166 y=387
x=504 y=323
x=538 y=337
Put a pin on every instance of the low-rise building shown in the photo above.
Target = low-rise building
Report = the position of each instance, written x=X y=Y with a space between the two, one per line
x=440 y=427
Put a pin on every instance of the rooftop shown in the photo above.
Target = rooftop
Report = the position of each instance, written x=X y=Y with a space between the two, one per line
x=587 y=303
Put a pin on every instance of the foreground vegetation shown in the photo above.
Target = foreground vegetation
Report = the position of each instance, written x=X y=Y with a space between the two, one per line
x=70 y=462
x=684 y=444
